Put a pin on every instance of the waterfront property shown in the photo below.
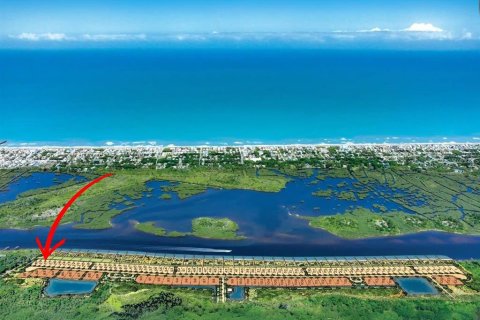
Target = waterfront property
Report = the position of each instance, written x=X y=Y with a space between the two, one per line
x=227 y=272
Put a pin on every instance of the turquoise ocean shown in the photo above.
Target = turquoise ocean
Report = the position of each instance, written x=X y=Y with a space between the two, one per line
x=238 y=96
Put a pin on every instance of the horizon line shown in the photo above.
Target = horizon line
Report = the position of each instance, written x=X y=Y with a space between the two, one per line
x=6 y=146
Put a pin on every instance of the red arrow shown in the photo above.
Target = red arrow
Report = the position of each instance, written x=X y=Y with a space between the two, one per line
x=47 y=251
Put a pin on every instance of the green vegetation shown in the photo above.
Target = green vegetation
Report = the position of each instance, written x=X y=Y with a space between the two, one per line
x=296 y=172
x=362 y=304
x=432 y=200
x=162 y=300
x=94 y=209
x=150 y=227
x=203 y=227
x=380 y=207
x=11 y=259
x=22 y=299
x=345 y=195
x=185 y=190
x=473 y=267
x=9 y=176
x=222 y=178
x=212 y=228
x=174 y=234
x=362 y=223
x=333 y=173
x=165 y=196
x=340 y=195
x=323 y=193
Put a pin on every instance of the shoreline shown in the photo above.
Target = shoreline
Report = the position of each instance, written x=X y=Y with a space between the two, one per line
x=248 y=257
x=475 y=142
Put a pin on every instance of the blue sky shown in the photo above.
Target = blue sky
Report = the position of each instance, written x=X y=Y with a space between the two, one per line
x=150 y=21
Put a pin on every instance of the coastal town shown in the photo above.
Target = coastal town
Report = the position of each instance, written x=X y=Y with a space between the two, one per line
x=128 y=284
x=231 y=277
x=453 y=156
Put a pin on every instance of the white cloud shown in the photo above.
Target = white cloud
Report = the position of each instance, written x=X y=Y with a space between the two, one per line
x=109 y=143
x=26 y=36
x=343 y=36
x=40 y=36
x=113 y=37
x=55 y=36
x=376 y=29
x=423 y=27
x=30 y=36
x=467 y=36
x=414 y=27
x=416 y=31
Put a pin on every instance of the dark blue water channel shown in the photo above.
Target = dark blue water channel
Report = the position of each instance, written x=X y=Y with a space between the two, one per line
x=36 y=180
x=268 y=221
